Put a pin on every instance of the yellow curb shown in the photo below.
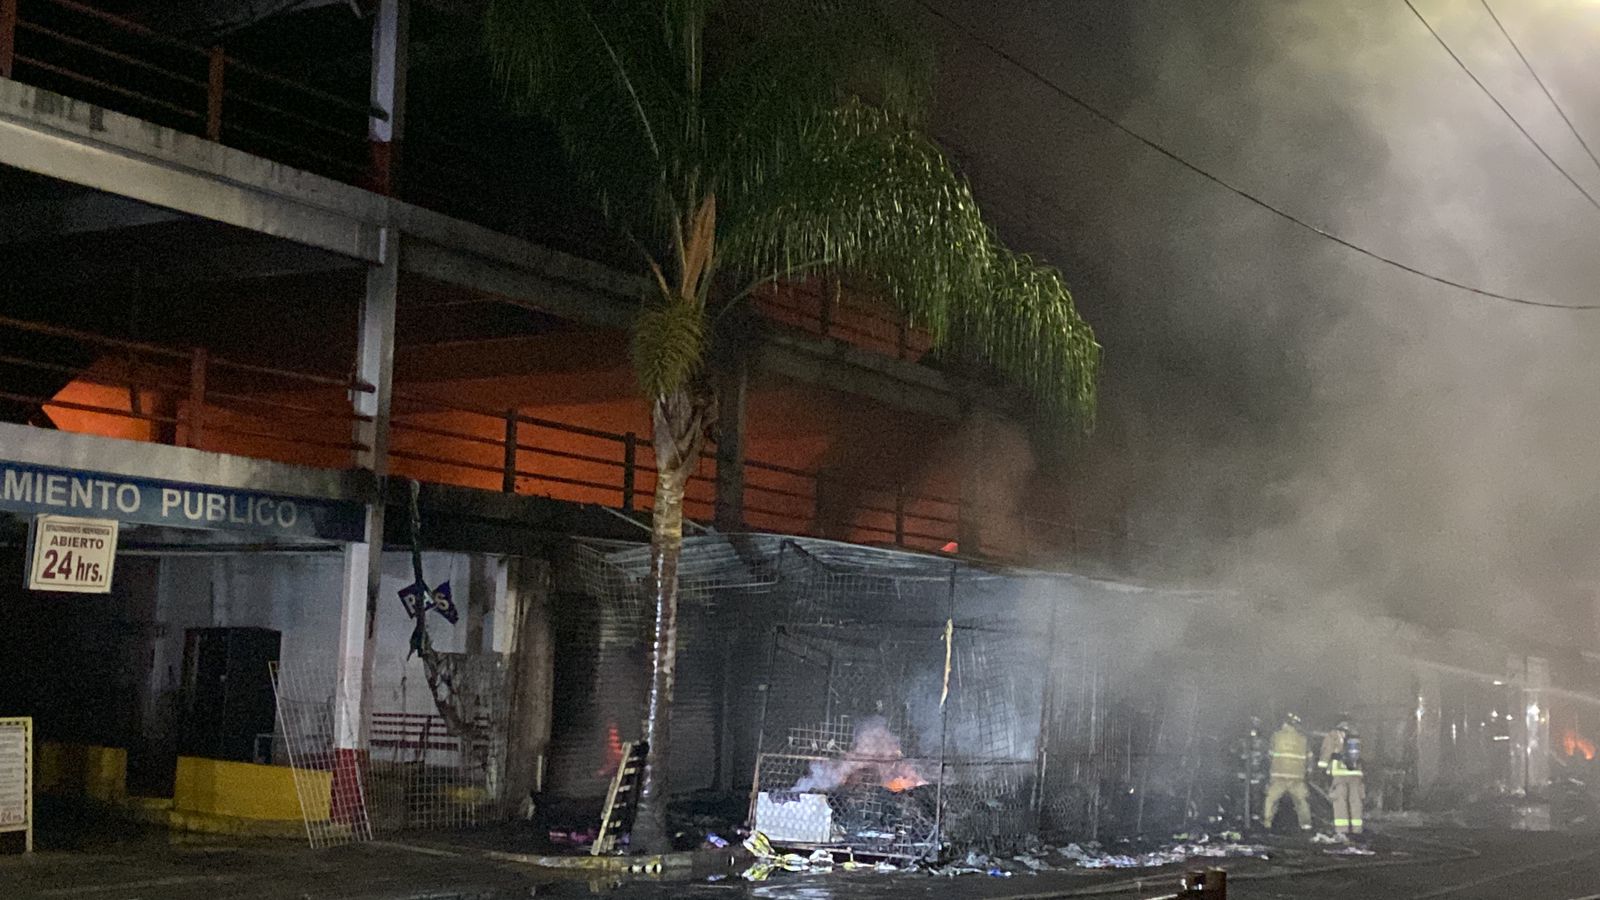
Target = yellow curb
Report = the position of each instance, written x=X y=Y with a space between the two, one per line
x=203 y=823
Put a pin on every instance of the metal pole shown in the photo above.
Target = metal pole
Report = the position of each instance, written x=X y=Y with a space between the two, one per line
x=1046 y=713
x=197 y=397
x=944 y=717
x=391 y=37
x=508 y=476
x=8 y=36
x=630 y=455
x=818 y=507
x=829 y=295
x=900 y=516
x=765 y=690
x=214 y=92
x=1095 y=756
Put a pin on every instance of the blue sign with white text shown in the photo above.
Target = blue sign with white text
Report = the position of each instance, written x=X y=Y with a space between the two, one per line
x=42 y=489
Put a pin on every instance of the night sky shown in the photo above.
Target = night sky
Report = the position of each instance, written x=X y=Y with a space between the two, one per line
x=1320 y=424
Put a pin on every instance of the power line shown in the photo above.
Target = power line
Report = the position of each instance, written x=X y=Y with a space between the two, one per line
x=1540 y=81
x=1496 y=101
x=1220 y=182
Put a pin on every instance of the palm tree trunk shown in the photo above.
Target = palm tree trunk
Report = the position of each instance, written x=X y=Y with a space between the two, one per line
x=679 y=421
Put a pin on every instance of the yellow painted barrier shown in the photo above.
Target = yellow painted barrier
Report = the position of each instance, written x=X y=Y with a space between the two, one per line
x=82 y=771
x=211 y=787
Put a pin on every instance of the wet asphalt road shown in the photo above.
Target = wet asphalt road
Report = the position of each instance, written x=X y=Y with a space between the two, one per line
x=1434 y=865
x=1483 y=866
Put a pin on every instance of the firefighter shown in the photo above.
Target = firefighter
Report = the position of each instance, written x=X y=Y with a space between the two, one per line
x=1291 y=755
x=1250 y=754
x=1341 y=759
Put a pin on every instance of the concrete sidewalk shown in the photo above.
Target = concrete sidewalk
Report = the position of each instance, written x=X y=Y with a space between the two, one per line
x=205 y=869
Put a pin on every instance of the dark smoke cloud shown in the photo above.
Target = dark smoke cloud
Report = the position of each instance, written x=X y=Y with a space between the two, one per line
x=1280 y=412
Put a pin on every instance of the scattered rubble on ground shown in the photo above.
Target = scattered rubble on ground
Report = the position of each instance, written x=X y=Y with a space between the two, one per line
x=769 y=860
x=1187 y=847
x=1350 y=850
x=1094 y=856
x=1037 y=859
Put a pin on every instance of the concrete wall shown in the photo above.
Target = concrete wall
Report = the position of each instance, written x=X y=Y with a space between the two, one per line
x=297 y=594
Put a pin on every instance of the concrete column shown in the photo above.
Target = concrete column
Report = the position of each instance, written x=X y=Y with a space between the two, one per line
x=732 y=388
x=347 y=713
x=363 y=560
x=531 y=668
x=375 y=356
x=375 y=366
x=503 y=615
x=480 y=600
x=391 y=38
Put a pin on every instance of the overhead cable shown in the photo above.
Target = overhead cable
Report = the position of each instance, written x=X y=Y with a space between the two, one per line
x=1095 y=112
x=1540 y=82
x=1496 y=101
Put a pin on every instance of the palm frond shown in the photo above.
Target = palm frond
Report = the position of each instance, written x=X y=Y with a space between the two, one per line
x=1024 y=324
x=868 y=196
x=773 y=66
x=764 y=138
x=604 y=78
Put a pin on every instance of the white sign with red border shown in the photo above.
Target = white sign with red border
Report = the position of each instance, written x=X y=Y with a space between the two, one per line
x=72 y=554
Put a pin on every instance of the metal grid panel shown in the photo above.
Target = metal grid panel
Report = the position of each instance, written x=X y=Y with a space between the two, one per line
x=329 y=780
x=427 y=774
x=604 y=634
x=945 y=662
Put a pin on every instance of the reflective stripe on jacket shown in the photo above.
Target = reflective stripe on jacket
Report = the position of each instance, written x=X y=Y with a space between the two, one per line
x=1290 y=751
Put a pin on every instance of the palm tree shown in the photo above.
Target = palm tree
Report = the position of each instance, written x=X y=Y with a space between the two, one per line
x=742 y=143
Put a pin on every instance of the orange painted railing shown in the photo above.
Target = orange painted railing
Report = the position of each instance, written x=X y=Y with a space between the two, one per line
x=76 y=381
x=819 y=308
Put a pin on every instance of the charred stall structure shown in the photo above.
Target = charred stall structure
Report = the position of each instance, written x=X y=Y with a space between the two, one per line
x=901 y=709
x=906 y=706
x=887 y=703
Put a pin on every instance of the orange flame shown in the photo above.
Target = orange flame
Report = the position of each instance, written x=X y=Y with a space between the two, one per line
x=902 y=777
x=1576 y=744
x=613 y=753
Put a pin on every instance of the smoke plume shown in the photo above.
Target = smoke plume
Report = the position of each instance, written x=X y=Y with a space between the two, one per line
x=874 y=756
x=1282 y=415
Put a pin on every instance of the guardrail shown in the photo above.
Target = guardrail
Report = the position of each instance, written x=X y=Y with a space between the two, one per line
x=442 y=440
x=76 y=49
x=193 y=398
x=819 y=307
x=77 y=381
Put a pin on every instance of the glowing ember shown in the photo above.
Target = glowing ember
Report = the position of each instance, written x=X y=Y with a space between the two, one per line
x=900 y=784
x=1577 y=745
